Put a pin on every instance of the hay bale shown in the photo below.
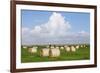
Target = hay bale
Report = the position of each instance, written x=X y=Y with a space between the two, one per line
x=54 y=52
x=73 y=49
x=81 y=45
x=47 y=46
x=84 y=46
x=77 y=47
x=24 y=47
x=67 y=49
x=44 y=52
x=33 y=50
x=65 y=46
x=52 y=47
x=61 y=48
x=57 y=47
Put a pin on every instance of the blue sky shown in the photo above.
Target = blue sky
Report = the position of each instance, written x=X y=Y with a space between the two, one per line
x=75 y=23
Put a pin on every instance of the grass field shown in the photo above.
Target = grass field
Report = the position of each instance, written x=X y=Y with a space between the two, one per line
x=81 y=54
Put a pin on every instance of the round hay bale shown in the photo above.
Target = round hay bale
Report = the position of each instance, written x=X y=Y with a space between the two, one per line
x=33 y=50
x=77 y=47
x=57 y=47
x=47 y=46
x=54 y=52
x=52 y=47
x=24 y=47
x=84 y=46
x=61 y=48
x=44 y=52
x=65 y=46
x=73 y=49
x=67 y=49
x=81 y=45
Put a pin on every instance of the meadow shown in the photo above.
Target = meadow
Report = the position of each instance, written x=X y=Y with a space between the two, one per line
x=82 y=53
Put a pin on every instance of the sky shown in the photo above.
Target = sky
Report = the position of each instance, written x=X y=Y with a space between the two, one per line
x=54 y=27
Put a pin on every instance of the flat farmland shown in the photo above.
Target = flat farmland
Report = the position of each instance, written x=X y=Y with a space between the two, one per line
x=82 y=53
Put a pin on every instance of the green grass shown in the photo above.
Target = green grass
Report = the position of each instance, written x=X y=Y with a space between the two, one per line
x=80 y=54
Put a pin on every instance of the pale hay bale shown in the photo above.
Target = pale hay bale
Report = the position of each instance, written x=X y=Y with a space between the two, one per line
x=32 y=50
x=52 y=47
x=44 y=52
x=67 y=49
x=84 y=46
x=61 y=48
x=65 y=46
x=81 y=45
x=57 y=47
x=24 y=47
x=54 y=52
x=47 y=46
x=73 y=49
x=77 y=47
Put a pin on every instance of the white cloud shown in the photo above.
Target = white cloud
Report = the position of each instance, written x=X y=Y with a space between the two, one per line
x=55 y=25
x=25 y=29
x=83 y=33
x=56 y=30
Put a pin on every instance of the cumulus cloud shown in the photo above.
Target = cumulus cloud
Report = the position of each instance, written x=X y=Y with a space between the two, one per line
x=56 y=30
x=55 y=25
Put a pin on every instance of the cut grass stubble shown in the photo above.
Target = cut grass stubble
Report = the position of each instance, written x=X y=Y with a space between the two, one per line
x=80 y=54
